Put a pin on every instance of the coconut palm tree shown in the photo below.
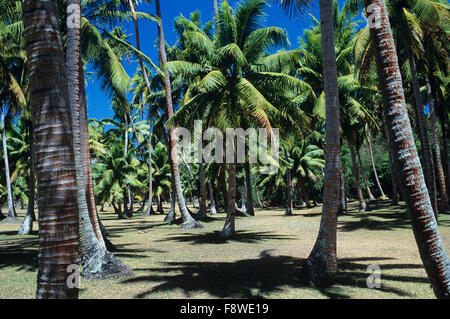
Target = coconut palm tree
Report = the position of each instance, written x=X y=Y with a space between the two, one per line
x=403 y=148
x=55 y=169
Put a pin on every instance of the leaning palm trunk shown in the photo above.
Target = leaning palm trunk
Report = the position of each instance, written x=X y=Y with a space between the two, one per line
x=188 y=221
x=321 y=266
x=27 y=225
x=369 y=192
x=403 y=147
x=362 y=203
x=12 y=216
x=96 y=261
x=430 y=177
x=437 y=152
x=372 y=160
x=55 y=168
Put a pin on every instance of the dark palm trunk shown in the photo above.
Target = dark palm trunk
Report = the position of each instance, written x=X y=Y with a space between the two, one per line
x=342 y=195
x=213 y=210
x=202 y=211
x=188 y=221
x=403 y=148
x=229 y=227
x=248 y=183
x=430 y=176
x=437 y=151
x=321 y=266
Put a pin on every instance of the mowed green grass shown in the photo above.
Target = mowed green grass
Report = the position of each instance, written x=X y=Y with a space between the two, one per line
x=262 y=261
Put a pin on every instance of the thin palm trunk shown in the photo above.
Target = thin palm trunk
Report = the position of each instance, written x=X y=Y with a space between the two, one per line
x=202 y=210
x=289 y=204
x=216 y=8
x=188 y=221
x=342 y=195
x=248 y=183
x=430 y=176
x=150 y=173
x=372 y=160
x=223 y=184
x=407 y=163
x=229 y=229
x=12 y=216
x=321 y=266
x=55 y=168
x=394 y=173
x=27 y=225
x=366 y=184
x=86 y=159
x=258 y=200
x=437 y=151
x=213 y=210
x=362 y=203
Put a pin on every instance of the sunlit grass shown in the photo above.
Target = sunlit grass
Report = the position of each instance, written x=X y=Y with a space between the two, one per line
x=262 y=261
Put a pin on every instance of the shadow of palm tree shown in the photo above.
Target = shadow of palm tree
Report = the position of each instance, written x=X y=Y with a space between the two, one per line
x=253 y=278
x=215 y=238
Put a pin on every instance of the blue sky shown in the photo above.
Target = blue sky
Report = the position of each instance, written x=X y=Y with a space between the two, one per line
x=99 y=103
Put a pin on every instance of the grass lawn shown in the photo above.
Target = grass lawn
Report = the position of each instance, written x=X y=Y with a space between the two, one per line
x=262 y=261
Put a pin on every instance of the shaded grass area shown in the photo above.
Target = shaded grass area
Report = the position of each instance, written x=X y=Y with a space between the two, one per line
x=263 y=260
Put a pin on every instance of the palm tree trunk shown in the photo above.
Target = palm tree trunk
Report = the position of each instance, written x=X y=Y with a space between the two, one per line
x=86 y=159
x=394 y=173
x=362 y=203
x=437 y=151
x=369 y=142
x=12 y=216
x=430 y=176
x=342 y=195
x=188 y=221
x=216 y=9
x=248 y=183
x=96 y=261
x=369 y=193
x=223 y=184
x=150 y=173
x=321 y=266
x=213 y=210
x=202 y=211
x=258 y=200
x=229 y=228
x=289 y=204
x=55 y=169
x=403 y=148
x=27 y=225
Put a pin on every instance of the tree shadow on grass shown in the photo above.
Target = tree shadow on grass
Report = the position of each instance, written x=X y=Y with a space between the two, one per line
x=254 y=278
x=215 y=238
x=19 y=252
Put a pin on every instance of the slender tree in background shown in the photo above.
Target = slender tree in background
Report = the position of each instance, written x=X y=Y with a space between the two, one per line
x=55 y=169
x=403 y=148
x=12 y=216
x=188 y=221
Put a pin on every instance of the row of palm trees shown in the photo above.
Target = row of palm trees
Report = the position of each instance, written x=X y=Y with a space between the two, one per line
x=225 y=74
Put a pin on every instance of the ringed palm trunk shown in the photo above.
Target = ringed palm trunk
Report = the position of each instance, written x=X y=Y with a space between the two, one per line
x=362 y=203
x=342 y=195
x=12 y=216
x=407 y=163
x=188 y=221
x=321 y=266
x=229 y=229
x=430 y=177
x=55 y=168
x=369 y=192
x=96 y=261
x=437 y=152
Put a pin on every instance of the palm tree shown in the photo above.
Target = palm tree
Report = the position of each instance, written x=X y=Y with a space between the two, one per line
x=188 y=221
x=55 y=169
x=403 y=148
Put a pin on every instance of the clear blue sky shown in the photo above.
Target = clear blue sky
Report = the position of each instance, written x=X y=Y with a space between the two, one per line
x=98 y=102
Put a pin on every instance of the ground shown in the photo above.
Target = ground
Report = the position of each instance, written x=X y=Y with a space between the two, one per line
x=262 y=261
